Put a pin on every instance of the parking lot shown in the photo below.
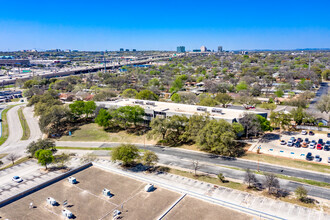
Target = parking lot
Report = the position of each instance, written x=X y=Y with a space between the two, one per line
x=270 y=144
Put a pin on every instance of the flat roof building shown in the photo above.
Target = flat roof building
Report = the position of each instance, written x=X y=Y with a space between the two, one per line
x=168 y=109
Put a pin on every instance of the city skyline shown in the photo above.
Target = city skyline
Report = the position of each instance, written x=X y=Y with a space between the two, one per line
x=159 y=26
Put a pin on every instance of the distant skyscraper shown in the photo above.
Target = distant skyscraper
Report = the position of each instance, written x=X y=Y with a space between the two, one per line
x=203 y=49
x=180 y=49
x=134 y=50
x=121 y=49
x=220 y=49
x=127 y=49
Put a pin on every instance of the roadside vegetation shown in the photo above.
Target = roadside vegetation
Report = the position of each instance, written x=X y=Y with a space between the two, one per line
x=5 y=129
x=25 y=126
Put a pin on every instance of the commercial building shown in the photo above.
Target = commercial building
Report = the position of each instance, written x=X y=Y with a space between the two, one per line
x=203 y=49
x=127 y=49
x=196 y=50
x=121 y=49
x=167 y=109
x=11 y=61
x=180 y=49
x=220 y=49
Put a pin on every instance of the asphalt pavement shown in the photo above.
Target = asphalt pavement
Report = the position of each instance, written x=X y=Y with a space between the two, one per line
x=212 y=159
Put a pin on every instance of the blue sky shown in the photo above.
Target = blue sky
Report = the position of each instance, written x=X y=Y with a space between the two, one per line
x=163 y=25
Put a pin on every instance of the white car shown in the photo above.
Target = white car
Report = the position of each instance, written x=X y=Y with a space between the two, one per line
x=304 y=132
x=317 y=158
x=311 y=146
x=283 y=142
x=17 y=179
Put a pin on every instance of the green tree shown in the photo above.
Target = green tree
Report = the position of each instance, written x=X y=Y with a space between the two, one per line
x=89 y=108
x=176 y=85
x=55 y=120
x=207 y=101
x=279 y=93
x=77 y=108
x=127 y=153
x=41 y=144
x=251 y=124
x=127 y=115
x=195 y=125
x=44 y=157
x=280 y=119
x=264 y=123
x=217 y=137
x=149 y=158
x=241 y=86
x=159 y=127
x=301 y=193
x=129 y=93
x=103 y=118
x=237 y=128
x=147 y=95
x=298 y=115
x=326 y=74
x=224 y=99
x=176 y=98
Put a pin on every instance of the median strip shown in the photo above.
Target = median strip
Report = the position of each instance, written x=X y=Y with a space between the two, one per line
x=24 y=124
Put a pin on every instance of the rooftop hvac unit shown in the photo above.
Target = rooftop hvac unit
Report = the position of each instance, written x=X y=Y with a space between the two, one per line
x=203 y=109
x=217 y=110
x=106 y=192
x=139 y=102
x=51 y=201
x=149 y=187
x=72 y=180
x=67 y=213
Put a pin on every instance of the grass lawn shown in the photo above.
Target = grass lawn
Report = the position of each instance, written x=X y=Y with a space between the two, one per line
x=5 y=130
x=208 y=179
x=22 y=160
x=305 y=165
x=25 y=126
x=93 y=132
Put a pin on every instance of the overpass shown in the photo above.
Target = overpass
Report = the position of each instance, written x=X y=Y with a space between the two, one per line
x=85 y=70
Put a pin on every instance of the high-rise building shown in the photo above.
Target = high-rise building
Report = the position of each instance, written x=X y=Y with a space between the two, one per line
x=180 y=49
x=203 y=49
x=220 y=49
x=134 y=50
x=121 y=49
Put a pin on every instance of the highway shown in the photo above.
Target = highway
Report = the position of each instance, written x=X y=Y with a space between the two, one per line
x=211 y=159
x=5 y=80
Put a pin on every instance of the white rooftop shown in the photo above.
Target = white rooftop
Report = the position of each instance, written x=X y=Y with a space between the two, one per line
x=180 y=109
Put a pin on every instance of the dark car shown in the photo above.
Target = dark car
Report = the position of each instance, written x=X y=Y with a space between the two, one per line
x=327 y=143
x=309 y=156
x=320 y=141
x=310 y=133
x=328 y=135
x=297 y=144
x=306 y=140
x=299 y=140
x=326 y=147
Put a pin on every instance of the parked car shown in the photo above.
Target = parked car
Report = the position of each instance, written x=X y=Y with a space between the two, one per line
x=299 y=140
x=326 y=148
x=309 y=156
x=304 y=145
x=319 y=147
x=17 y=179
x=327 y=143
x=293 y=139
x=283 y=142
x=320 y=141
x=313 y=142
x=311 y=146
x=304 y=132
x=328 y=135
x=306 y=140
x=317 y=158
x=297 y=144
x=328 y=159
x=311 y=133
x=290 y=143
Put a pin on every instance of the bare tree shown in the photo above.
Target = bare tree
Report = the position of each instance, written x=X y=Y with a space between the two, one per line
x=250 y=178
x=196 y=165
x=12 y=157
x=271 y=182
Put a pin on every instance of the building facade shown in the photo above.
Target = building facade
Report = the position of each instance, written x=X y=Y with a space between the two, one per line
x=180 y=49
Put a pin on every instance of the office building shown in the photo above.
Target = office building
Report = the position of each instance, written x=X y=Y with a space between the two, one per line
x=180 y=49
x=203 y=49
x=134 y=50
x=127 y=49
x=196 y=50
x=121 y=49
x=220 y=49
